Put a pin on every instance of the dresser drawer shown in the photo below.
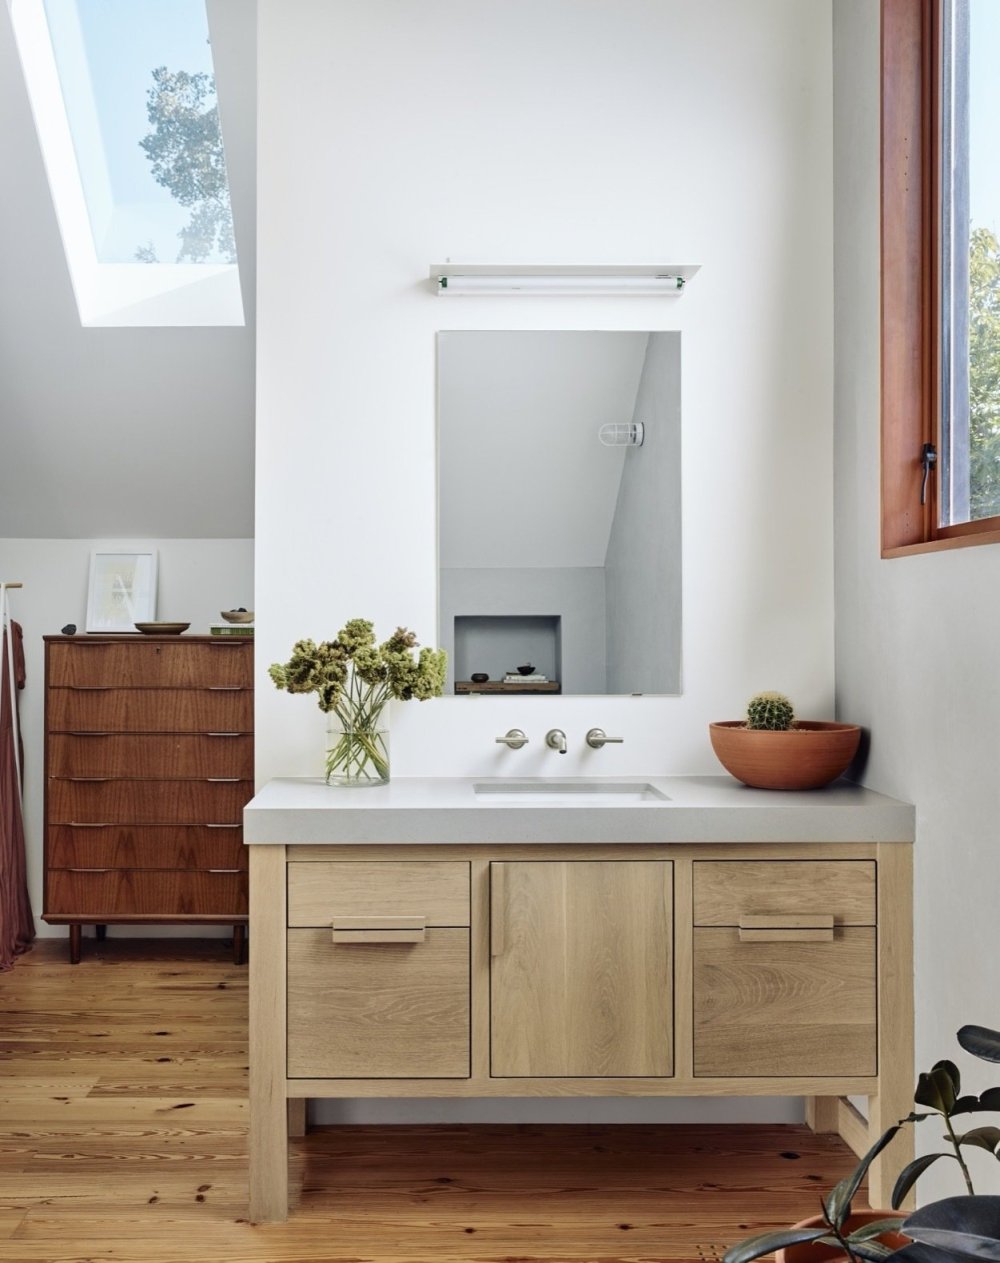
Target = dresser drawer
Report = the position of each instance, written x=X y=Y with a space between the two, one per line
x=151 y=846
x=151 y=754
x=147 y=801
x=133 y=894
x=726 y=890
x=150 y=664
x=437 y=890
x=93 y=709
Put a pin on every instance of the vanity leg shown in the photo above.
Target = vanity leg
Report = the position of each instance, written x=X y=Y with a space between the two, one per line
x=268 y=1102
x=896 y=1071
x=822 y=1113
x=297 y=1116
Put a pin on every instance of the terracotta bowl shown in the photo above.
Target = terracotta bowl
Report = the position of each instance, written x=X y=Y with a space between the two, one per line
x=807 y=756
x=812 y=1252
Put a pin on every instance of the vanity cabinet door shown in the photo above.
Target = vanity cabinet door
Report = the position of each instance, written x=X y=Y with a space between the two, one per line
x=581 y=969
x=784 y=968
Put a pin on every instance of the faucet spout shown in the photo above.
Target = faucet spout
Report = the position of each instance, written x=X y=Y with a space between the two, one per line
x=555 y=739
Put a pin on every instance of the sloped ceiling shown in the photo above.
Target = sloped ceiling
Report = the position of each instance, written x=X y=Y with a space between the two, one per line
x=135 y=433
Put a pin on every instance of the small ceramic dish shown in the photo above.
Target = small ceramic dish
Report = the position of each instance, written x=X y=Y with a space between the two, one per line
x=162 y=629
x=237 y=616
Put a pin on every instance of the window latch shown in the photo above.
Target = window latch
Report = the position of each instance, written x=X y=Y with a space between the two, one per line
x=928 y=458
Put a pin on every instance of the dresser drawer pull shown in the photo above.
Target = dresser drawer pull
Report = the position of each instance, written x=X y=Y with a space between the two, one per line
x=813 y=927
x=92 y=870
x=224 y=870
x=92 y=734
x=222 y=826
x=390 y=929
x=223 y=734
x=225 y=688
x=223 y=780
x=84 y=780
x=86 y=824
x=90 y=688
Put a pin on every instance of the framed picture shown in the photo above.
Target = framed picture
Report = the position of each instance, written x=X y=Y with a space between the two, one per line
x=122 y=591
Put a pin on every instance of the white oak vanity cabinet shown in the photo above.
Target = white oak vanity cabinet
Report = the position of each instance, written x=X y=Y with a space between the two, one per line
x=677 y=969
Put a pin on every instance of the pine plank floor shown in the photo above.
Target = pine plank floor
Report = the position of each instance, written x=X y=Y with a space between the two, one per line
x=123 y=1137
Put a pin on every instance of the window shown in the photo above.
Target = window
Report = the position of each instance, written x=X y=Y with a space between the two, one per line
x=123 y=94
x=940 y=275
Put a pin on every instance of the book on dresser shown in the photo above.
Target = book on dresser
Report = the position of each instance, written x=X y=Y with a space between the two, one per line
x=149 y=763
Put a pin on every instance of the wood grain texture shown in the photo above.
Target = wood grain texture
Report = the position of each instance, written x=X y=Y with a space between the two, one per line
x=89 y=895
x=147 y=801
x=143 y=663
x=385 y=1010
x=774 y=1009
x=726 y=890
x=150 y=710
x=135 y=846
x=319 y=892
x=148 y=754
x=149 y=1184
x=583 y=985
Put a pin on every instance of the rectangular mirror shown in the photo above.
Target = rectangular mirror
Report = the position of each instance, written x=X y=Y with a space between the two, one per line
x=559 y=511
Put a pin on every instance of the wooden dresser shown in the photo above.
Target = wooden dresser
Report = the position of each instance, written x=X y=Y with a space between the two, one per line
x=149 y=762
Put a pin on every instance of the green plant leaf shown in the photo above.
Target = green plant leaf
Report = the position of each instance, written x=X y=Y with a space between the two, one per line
x=973 y=1105
x=989 y=1100
x=911 y=1173
x=982 y=1138
x=866 y=1231
x=837 y=1203
x=981 y=1042
x=768 y=1242
x=874 y=1250
x=939 y=1089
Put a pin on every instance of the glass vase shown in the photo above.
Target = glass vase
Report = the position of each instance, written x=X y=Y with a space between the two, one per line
x=357 y=750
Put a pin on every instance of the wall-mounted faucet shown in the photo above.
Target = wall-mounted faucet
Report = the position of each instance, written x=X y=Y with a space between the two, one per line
x=597 y=737
x=555 y=739
x=513 y=739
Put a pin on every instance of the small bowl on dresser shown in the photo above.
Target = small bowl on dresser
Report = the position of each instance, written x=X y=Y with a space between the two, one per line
x=237 y=616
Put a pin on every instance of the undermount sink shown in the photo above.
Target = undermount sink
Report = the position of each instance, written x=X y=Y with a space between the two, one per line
x=577 y=793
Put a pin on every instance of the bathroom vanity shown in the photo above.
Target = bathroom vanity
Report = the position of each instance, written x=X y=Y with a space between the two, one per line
x=679 y=936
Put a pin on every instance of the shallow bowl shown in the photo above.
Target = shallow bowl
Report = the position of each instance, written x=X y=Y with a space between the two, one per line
x=811 y=754
x=237 y=616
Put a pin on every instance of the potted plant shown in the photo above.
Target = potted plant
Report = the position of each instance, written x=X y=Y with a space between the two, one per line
x=354 y=679
x=954 y=1228
x=771 y=749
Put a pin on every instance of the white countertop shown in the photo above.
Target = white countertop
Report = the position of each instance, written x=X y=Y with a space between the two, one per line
x=445 y=810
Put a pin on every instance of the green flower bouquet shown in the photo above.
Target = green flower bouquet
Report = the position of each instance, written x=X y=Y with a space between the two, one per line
x=354 y=678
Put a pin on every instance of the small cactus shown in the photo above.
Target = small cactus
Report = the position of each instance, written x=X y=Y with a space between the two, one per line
x=771 y=711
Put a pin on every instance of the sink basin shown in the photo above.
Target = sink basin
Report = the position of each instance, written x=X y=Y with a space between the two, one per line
x=563 y=793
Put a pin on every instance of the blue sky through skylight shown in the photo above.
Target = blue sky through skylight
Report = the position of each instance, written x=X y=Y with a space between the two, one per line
x=106 y=51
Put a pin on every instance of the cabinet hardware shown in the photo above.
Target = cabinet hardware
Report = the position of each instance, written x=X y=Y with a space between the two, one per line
x=90 y=734
x=222 y=780
x=388 y=929
x=498 y=909
x=223 y=734
x=225 y=688
x=779 y=928
x=90 y=688
x=86 y=824
x=225 y=870
x=86 y=780
x=222 y=826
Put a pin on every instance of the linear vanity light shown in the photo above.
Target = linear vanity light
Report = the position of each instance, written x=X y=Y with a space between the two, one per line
x=462 y=279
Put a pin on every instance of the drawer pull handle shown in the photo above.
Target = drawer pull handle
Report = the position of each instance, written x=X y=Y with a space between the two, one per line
x=92 y=734
x=86 y=780
x=90 y=688
x=91 y=870
x=86 y=824
x=225 y=688
x=223 y=734
x=223 y=826
x=814 y=927
x=222 y=780
x=225 y=870
x=391 y=929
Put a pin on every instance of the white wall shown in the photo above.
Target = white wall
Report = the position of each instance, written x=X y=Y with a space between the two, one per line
x=394 y=135
x=917 y=636
x=197 y=578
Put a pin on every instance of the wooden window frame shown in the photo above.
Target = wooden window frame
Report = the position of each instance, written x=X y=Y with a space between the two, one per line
x=911 y=283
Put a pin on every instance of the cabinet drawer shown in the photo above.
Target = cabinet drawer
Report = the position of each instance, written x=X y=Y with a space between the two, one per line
x=99 y=709
x=151 y=754
x=773 y=1008
x=129 y=893
x=378 y=1011
x=150 y=663
x=725 y=890
x=437 y=890
x=147 y=802
x=127 y=846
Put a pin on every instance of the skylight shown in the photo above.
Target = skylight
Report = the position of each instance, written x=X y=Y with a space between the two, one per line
x=123 y=93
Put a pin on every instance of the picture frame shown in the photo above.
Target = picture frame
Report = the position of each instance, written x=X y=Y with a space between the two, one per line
x=121 y=591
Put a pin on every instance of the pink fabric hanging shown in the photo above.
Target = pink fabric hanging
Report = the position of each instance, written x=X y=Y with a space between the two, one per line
x=17 y=926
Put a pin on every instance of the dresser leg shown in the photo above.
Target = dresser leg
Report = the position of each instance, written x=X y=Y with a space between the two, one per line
x=75 y=937
x=239 y=944
x=101 y=932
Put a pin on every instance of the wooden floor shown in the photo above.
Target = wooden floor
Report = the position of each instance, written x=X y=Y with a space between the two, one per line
x=123 y=1136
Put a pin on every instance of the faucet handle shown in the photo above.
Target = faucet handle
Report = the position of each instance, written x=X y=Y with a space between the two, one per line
x=597 y=737
x=513 y=739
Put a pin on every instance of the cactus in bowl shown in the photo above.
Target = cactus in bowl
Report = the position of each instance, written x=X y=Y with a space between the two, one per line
x=771 y=712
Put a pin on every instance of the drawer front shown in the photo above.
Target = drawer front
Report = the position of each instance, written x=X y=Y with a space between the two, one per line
x=784 y=1008
x=726 y=890
x=127 y=846
x=378 y=1011
x=437 y=890
x=147 y=802
x=150 y=663
x=85 y=709
x=150 y=754
x=94 y=894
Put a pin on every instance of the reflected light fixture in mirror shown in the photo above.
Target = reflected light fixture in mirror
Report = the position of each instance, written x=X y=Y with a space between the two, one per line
x=560 y=555
x=456 y=280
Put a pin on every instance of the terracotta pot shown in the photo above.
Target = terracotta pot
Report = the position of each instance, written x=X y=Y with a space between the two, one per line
x=811 y=754
x=812 y=1252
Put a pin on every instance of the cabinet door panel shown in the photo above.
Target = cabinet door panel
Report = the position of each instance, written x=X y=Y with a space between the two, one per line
x=437 y=890
x=84 y=709
x=773 y=1008
x=378 y=1010
x=582 y=969
x=149 y=754
x=725 y=890
x=150 y=663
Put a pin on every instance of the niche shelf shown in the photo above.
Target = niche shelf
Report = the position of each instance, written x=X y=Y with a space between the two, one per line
x=498 y=643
